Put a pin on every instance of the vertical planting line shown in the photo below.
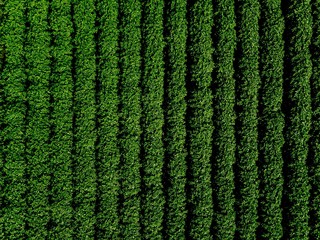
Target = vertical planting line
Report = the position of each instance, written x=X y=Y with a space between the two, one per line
x=152 y=119
x=61 y=117
x=272 y=119
x=200 y=120
x=224 y=145
x=37 y=132
x=14 y=78
x=108 y=152
x=2 y=101
x=175 y=113
x=247 y=84
x=315 y=140
x=85 y=113
x=299 y=119
x=2 y=44
x=130 y=114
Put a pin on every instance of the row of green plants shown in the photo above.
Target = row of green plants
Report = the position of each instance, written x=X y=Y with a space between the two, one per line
x=298 y=119
x=315 y=127
x=108 y=154
x=248 y=82
x=84 y=107
x=128 y=119
x=13 y=125
x=224 y=142
x=61 y=120
x=199 y=120
x=152 y=197
x=37 y=132
x=272 y=120
x=175 y=164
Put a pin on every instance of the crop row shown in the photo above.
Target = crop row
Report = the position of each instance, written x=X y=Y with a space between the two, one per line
x=158 y=119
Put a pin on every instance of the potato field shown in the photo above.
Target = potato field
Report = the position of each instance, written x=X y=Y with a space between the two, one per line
x=160 y=119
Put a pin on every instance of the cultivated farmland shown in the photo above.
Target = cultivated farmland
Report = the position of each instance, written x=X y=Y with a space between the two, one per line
x=159 y=119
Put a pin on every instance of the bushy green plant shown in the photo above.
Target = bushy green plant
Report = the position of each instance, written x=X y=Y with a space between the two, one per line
x=37 y=52
x=200 y=119
x=299 y=21
x=85 y=113
x=61 y=89
x=175 y=112
x=224 y=144
x=130 y=114
x=247 y=84
x=272 y=119
x=108 y=151
x=2 y=194
x=13 y=108
x=315 y=133
x=152 y=118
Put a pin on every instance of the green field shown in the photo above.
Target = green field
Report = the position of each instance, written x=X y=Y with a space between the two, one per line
x=160 y=119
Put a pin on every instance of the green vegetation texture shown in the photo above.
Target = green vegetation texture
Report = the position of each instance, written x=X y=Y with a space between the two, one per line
x=159 y=119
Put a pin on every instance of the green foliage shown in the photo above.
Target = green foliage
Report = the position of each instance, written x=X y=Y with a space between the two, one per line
x=224 y=144
x=37 y=132
x=61 y=89
x=130 y=114
x=2 y=44
x=200 y=120
x=152 y=119
x=175 y=111
x=2 y=193
x=14 y=115
x=299 y=118
x=85 y=113
x=315 y=133
x=108 y=152
x=272 y=119
x=14 y=94
x=248 y=81
x=158 y=119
